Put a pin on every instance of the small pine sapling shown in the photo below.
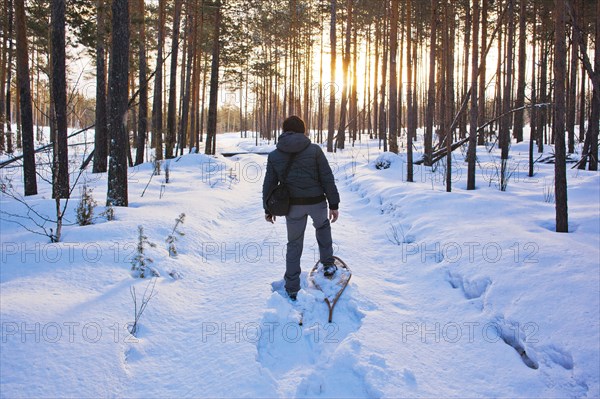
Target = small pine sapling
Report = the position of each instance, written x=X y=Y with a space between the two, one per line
x=172 y=238
x=109 y=213
x=85 y=208
x=140 y=263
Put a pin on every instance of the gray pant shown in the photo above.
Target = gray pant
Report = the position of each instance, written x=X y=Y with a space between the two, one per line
x=296 y=225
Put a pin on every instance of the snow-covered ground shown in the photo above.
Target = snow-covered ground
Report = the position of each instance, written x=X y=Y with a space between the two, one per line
x=462 y=294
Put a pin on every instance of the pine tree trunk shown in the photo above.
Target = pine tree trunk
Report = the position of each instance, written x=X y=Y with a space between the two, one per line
x=429 y=117
x=211 y=128
x=376 y=80
x=332 y=87
x=449 y=21
x=482 y=75
x=24 y=91
x=60 y=168
x=410 y=111
x=560 y=171
x=320 y=101
x=101 y=131
x=354 y=92
x=504 y=138
x=383 y=116
x=172 y=112
x=543 y=91
x=3 y=66
x=117 y=106
x=9 y=56
x=533 y=111
x=467 y=44
x=341 y=136
x=393 y=86
x=185 y=109
x=595 y=116
x=473 y=121
x=571 y=93
x=157 y=104
x=143 y=84
x=520 y=100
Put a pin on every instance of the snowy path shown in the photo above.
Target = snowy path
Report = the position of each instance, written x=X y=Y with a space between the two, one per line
x=418 y=319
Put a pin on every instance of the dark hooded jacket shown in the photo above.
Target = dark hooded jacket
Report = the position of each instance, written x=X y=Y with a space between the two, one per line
x=310 y=179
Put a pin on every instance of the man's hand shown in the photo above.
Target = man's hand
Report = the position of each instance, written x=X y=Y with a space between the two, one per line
x=333 y=215
x=270 y=218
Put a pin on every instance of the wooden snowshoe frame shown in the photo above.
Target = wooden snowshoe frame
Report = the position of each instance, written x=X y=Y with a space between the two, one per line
x=343 y=283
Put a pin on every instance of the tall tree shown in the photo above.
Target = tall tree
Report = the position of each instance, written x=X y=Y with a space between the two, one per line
x=449 y=20
x=157 y=120
x=143 y=85
x=29 y=174
x=211 y=123
x=572 y=89
x=190 y=22
x=172 y=112
x=9 y=56
x=3 y=67
x=560 y=170
x=505 y=121
x=520 y=100
x=473 y=122
x=60 y=170
x=410 y=106
x=482 y=68
x=341 y=136
x=590 y=147
x=393 y=85
x=332 y=86
x=117 y=194
x=101 y=130
x=429 y=116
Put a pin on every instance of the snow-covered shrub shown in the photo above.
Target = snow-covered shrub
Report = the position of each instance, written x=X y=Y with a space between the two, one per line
x=385 y=160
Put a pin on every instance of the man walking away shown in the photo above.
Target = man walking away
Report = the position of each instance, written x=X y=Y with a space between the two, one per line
x=312 y=186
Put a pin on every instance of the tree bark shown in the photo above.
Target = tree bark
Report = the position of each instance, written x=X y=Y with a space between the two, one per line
x=60 y=170
x=157 y=104
x=473 y=122
x=3 y=67
x=211 y=128
x=560 y=170
x=101 y=131
x=143 y=84
x=483 y=64
x=172 y=112
x=29 y=174
x=429 y=116
x=117 y=194
x=332 y=86
x=520 y=100
x=341 y=136
x=571 y=91
x=393 y=86
x=410 y=111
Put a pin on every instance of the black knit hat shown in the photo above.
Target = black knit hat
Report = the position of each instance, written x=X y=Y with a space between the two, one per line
x=294 y=124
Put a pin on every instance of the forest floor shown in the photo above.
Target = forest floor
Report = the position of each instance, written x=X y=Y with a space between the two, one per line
x=461 y=294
